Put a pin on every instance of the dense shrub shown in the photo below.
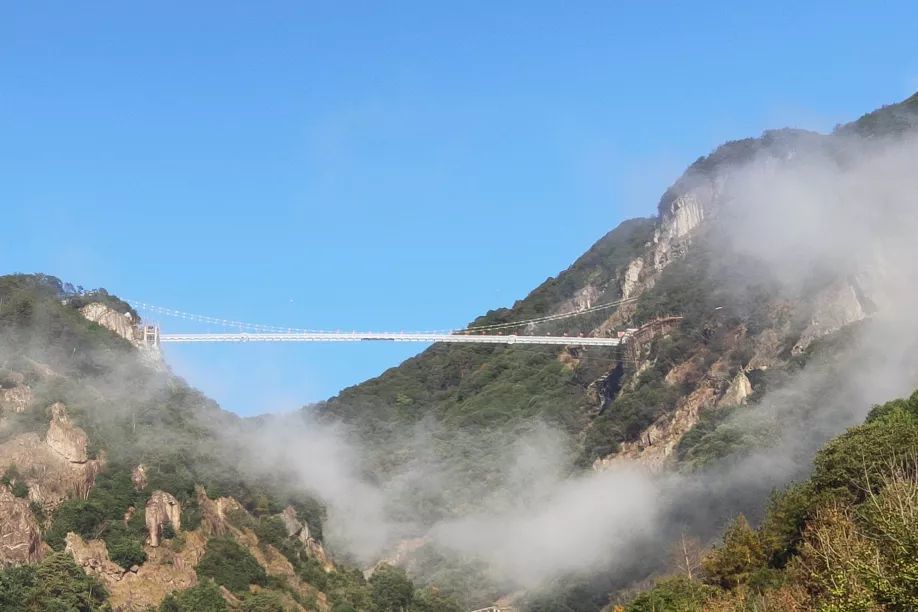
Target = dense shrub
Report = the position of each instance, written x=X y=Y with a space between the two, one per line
x=230 y=565
x=57 y=583
x=845 y=539
x=391 y=589
x=675 y=594
x=126 y=551
x=101 y=516
x=204 y=597
x=740 y=556
x=263 y=601
x=11 y=475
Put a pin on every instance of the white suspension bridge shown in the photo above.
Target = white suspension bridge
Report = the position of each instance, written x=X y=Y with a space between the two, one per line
x=515 y=332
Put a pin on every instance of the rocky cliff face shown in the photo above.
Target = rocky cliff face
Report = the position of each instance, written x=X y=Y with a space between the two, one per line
x=683 y=215
x=120 y=323
x=140 y=587
x=697 y=200
x=57 y=467
x=124 y=325
x=170 y=567
x=20 y=536
x=300 y=531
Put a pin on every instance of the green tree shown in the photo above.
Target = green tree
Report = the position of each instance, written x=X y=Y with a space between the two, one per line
x=431 y=600
x=62 y=586
x=391 y=588
x=204 y=597
x=231 y=565
x=263 y=601
x=740 y=556
x=127 y=552
x=674 y=595
x=15 y=583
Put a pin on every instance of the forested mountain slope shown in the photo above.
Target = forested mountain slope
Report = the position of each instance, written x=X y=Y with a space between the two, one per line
x=786 y=258
x=740 y=317
x=843 y=539
x=124 y=488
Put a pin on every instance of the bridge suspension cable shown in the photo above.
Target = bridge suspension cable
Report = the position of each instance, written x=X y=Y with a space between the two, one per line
x=547 y=318
x=261 y=328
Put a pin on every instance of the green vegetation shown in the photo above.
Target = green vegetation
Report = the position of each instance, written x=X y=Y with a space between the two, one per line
x=888 y=120
x=101 y=516
x=843 y=540
x=13 y=479
x=230 y=565
x=392 y=591
x=57 y=584
x=716 y=301
x=673 y=595
x=204 y=597
x=480 y=389
x=263 y=601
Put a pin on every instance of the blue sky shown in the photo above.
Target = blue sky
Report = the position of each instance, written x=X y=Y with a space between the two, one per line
x=397 y=166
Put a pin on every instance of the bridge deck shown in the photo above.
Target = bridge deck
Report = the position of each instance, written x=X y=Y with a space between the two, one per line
x=389 y=336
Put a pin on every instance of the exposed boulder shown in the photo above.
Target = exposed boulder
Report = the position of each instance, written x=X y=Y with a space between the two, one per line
x=20 y=537
x=139 y=477
x=120 y=323
x=739 y=390
x=162 y=509
x=92 y=556
x=65 y=438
